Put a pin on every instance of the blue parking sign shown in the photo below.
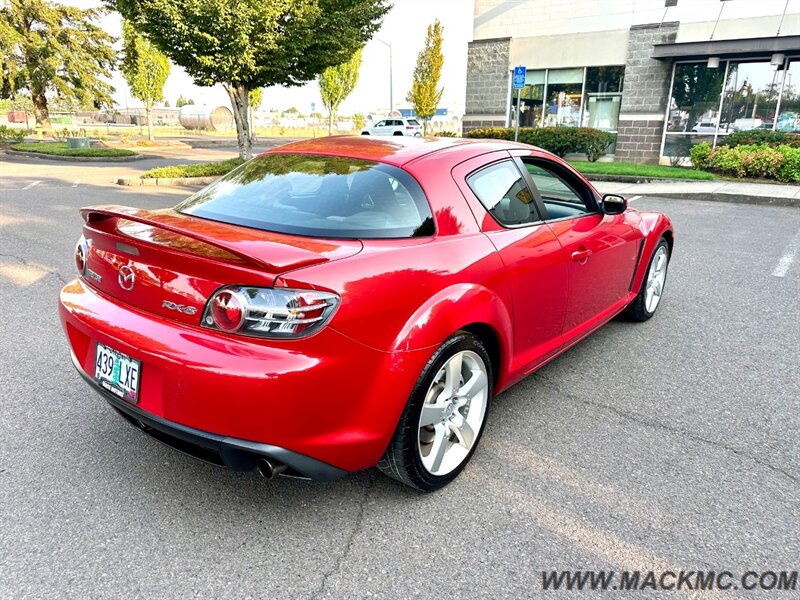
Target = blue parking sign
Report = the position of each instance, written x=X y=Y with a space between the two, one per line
x=519 y=78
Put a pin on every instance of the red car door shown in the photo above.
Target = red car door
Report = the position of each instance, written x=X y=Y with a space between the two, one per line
x=536 y=267
x=601 y=249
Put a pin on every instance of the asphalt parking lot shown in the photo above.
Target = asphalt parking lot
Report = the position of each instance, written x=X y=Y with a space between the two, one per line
x=671 y=444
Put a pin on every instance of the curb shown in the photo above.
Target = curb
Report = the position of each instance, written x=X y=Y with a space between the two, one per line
x=165 y=182
x=78 y=158
x=637 y=179
x=731 y=198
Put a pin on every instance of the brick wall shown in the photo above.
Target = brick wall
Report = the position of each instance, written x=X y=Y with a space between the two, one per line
x=487 y=83
x=645 y=94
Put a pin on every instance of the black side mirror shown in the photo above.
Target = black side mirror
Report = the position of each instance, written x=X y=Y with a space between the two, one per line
x=613 y=204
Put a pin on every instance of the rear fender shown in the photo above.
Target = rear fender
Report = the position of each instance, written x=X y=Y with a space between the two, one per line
x=453 y=308
x=653 y=226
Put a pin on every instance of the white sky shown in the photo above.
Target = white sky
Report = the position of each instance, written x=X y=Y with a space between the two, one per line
x=404 y=26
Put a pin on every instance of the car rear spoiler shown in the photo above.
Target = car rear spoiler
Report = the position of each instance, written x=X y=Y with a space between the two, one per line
x=237 y=241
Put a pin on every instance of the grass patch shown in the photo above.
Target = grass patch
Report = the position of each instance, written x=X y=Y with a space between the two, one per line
x=209 y=169
x=620 y=168
x=60 y=149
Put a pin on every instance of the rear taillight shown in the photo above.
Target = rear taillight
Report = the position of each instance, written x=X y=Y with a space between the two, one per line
x=81 y=252
x=269 y=312
x=409 y=127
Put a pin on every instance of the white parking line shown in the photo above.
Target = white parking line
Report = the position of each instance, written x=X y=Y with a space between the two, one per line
x=634 y=198
x=788 y=257
x=32 y=184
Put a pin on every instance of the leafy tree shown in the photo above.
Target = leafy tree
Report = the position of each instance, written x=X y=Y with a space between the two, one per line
x=255 y=98
x=249 y=44
x=145 y=69
x=358 y=122
x=425 y=92
x=190 y=102
x=337 y=83
x=47 y=47
x=180 y=102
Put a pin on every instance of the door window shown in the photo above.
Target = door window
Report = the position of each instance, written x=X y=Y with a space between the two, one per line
x=504 y=193
x=561 y=198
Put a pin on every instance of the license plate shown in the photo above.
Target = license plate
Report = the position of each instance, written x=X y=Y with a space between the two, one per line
x=117 y=372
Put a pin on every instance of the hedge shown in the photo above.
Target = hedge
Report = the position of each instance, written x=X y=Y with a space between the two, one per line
x=558 y=140
x=751 y=160
x=209 y=169
x=761 y=136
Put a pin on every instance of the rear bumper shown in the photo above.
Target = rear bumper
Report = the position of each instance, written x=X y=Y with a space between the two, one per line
x=236 y=454
x=327 y=398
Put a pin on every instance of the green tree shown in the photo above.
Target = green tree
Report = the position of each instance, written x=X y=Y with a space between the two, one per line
x=181 y=101
x=337 y=83
x=47 y=47
x=249 y=44
x=145 y=69
x=255 y=98
x=425 y=92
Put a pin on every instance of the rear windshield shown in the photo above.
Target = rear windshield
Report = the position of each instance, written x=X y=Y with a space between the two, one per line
x=319 y=196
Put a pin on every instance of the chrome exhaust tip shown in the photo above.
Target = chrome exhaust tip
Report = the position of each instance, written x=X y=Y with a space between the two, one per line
x=269 y=469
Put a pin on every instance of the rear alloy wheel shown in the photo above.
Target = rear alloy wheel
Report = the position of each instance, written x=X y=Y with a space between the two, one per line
x=649 y=297
x=443 y=420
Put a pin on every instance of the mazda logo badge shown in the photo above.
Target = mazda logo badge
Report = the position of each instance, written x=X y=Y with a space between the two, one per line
x=126 y=278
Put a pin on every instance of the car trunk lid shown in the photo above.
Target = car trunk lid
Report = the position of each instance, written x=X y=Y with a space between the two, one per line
x=167 y=263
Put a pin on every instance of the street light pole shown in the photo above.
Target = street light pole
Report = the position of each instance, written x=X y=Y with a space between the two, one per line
x=391 y=79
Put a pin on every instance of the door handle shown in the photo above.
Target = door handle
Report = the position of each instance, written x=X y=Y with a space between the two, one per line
x=582 y=255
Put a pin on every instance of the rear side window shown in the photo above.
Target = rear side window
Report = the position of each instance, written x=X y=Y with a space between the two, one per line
x=502 y=190
x=413 y=122
x=318 y=196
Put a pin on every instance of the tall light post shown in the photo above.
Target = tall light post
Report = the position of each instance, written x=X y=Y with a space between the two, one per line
x=391 y=94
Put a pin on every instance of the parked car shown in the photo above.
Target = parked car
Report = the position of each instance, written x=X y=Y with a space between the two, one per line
x=394 y=126
x=705 y=127
x=340 y=303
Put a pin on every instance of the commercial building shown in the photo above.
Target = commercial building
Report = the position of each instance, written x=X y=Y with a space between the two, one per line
x=662 y=75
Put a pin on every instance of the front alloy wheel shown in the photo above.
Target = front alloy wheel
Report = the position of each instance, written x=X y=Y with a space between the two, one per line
x=647 y=300
x=443 y=420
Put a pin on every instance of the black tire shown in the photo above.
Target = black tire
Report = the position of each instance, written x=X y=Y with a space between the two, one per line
x=397 y=133
x=402 y=461
x=365 y=133
x=637 y=310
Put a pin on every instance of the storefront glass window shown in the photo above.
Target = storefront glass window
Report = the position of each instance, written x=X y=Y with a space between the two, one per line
x=751 y=96
x=531 y=99
x=789 y=119
x=563 y=105
x=695 y=98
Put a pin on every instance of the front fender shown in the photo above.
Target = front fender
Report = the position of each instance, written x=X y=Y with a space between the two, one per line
x=653 y=226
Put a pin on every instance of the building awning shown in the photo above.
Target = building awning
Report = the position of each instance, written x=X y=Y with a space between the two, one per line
x=728 y=48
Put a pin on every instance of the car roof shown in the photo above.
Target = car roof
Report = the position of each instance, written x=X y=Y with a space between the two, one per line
x=394 y=150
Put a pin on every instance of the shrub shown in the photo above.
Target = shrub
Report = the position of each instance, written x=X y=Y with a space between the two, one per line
x=61 y=149
x=752 y=160
x=558 y=140
x=762 y=136
x=593 y=142
x=790 y=169
x=448 y=134
x=9 y=134
x=210 y=169
x=700 y=155
x=493 y=133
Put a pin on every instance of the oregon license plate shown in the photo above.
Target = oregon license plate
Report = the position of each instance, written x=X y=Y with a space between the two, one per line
x=117 y=372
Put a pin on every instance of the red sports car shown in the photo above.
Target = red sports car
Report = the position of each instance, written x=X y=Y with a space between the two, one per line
x=341 y=303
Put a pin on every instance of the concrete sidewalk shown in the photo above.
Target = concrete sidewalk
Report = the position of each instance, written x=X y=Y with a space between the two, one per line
x=773 y=194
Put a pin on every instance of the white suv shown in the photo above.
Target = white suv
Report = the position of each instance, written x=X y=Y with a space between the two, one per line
x=394 y=126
